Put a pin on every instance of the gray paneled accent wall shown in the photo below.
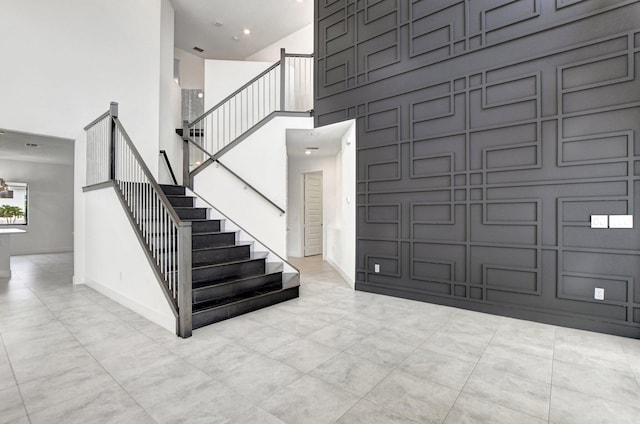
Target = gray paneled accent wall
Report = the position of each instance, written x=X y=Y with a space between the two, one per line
x=488 y=132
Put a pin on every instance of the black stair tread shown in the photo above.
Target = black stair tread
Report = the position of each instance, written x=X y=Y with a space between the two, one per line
x=253 y=257
x=270 y=268
x=237 y=244
x=190 y=207
x=216 y=232
x=211 y=304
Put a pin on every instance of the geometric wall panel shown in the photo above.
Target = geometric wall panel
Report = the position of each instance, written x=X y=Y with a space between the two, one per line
x=488 y=132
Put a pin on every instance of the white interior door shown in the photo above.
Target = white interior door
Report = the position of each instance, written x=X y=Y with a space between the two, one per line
x=313 y=214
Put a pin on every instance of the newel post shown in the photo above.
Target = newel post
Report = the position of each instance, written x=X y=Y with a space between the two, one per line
x=113 y=113
x=186 y=178
x=283 y=60
x=184 y=280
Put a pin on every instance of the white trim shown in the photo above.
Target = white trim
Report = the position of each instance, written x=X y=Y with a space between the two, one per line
x=343 y=274
x=157 y=317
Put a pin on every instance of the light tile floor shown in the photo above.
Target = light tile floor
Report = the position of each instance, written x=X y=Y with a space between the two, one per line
x=70 y=355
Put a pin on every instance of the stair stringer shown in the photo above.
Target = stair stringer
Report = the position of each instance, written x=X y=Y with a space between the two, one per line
x=290 y=274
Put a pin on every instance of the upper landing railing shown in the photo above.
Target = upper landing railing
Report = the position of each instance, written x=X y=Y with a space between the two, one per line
x=286 y=86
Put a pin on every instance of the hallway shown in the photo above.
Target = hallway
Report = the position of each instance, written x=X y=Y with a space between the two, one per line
x=70 y=355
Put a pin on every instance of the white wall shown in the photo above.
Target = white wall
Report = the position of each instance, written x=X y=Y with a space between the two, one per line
x=170 y=100
x=261 y=160
x=191 y=70
x=341 y=237
x=70 y=58
x=223 y=77
x=300 y=41
x=116 y=264
x=50 y=214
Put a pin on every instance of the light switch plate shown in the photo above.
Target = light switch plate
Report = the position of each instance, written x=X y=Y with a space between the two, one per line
x=620 y=221
x=376 y=268
x=599 y=221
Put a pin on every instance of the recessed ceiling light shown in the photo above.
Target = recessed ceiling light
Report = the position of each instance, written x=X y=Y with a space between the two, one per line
x=236 y=38
x=307 y=152
x=299 y=1
x=247 y=31
x=218 y=23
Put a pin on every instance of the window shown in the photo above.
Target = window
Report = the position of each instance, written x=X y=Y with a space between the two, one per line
x=13 y=204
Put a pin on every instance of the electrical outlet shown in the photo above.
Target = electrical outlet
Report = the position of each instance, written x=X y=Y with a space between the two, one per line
x=620 y=221
x=598 y=293
x=599 y=221
x=376 y=268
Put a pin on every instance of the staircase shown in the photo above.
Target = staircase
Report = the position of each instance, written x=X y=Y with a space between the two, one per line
x=229 y=277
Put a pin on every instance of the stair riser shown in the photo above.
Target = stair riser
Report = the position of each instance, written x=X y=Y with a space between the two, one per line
x=234 y=270
x=225 y=291
x=213 y=240
x=206 y=226
x=221 y=255
x=182 y=202
x=195 y=213
x=200 y=319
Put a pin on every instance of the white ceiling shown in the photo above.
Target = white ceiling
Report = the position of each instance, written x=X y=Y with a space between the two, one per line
x=268 y=20
x=327 y=139
x=51 y=150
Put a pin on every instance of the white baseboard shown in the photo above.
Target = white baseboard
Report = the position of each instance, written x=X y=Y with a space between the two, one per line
x=343 y=274
x=168 y=322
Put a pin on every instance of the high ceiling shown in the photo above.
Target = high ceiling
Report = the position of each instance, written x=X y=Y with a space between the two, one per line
x=322 y=141
x=213 y=24
x=35 y=148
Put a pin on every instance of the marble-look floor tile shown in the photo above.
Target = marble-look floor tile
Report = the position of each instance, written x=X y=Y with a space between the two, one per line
x=598 y=382
x=466 y=347
x=267 y=339
x=568 y=407
x=163 y=382
x=365 y=412
x=439 y=368
x=471 y=410
x=382 y=351
x=206 y=402
x=259 y=378
x=255 y=415
x=11 y=407
x=48 y=391
x=49 y=364
x=309 y=400
x=113 y=405
x=509 y=360
x=135 y=362
x=7 y=379
x=591 y=356
x=355 y=375
x=336 y=336
x=509 y=390
x=216 y=359
x=301 y=325
x=303 y=355
x=413 y=397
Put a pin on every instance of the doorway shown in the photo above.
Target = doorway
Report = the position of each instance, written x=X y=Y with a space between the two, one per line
x=313 y=214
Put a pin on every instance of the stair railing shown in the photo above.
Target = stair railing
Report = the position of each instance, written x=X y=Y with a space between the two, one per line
x=285 y=86
x=113 y=159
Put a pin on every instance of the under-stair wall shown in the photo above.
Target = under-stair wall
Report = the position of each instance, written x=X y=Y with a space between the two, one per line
x=261 y=161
